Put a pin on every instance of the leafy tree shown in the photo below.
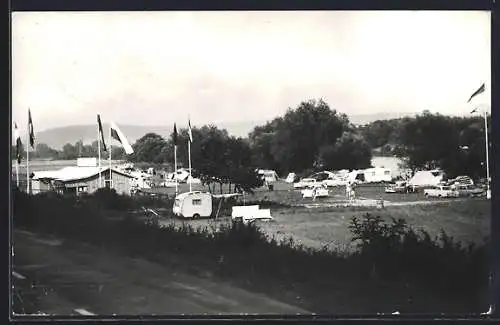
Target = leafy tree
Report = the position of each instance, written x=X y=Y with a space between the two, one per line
x=261 y=142
x=354 y=151
x=453 y=144
x=149 y=148
x=305 y=138
x=216 y=157
x=69 y=152
x=44 y=151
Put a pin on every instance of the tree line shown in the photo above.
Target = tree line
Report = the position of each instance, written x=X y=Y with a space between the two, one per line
x=312 y=136
x=454 y=144
x=70 y=151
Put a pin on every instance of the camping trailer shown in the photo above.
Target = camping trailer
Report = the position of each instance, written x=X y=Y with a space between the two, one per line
x=193 y=204
x=371 y=175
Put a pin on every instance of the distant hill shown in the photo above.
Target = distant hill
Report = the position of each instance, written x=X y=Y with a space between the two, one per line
x=58 y=137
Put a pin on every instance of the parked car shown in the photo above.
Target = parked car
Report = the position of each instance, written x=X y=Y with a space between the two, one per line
x=399 y=187
x=464 y=180
x=332 y=182
x=316 y=190
x=440 y=191
x=305 y=182
x=469 y=190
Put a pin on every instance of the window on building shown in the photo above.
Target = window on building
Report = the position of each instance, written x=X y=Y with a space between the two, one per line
x=387 y=172
x=108 y=183
x=196 y=202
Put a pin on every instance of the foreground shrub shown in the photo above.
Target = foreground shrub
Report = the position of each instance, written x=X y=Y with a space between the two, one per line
x=397 y=250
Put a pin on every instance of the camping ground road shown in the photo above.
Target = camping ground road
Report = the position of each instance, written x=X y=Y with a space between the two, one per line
x=84 y=280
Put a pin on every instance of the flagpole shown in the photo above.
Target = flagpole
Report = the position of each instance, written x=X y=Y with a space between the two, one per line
x=17 y=172
x=189 y=154
x=28 y=160
x=175 y=169
x=488 y=191
x=99 y=154
x=110 y=150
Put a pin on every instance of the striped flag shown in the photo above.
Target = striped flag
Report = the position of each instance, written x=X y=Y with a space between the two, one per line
x=118 y=135
x=30 y=130
x=477 y=92
x=101 y=133
x=189 y=131
x=17 y=137
x=175 y=135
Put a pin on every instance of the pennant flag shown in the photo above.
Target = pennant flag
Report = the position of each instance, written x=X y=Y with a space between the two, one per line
x=101 y=134
x=175 y=135
x=18 y=143
x=189 y=131
x=477 y=92
x=31 y=131
x=118 y=135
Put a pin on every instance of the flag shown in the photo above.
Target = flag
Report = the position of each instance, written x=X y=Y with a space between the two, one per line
x=31 y=131
x=118 y=135
x=175 y=135
x=189 y=131
x=477 y=92
x=101 y=134
x=18 y=143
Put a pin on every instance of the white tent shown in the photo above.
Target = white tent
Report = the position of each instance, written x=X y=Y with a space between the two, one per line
x=268 y=175
x=426 y=178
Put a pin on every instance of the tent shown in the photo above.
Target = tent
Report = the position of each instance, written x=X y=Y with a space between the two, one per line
x=426 y=178
x=268 y=175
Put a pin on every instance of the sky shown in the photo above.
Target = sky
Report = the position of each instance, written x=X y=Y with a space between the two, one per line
x=156 y=68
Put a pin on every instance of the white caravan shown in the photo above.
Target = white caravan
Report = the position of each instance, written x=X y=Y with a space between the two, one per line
x=193 y=204
x=371 y=175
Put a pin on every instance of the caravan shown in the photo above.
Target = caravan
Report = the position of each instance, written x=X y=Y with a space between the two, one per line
x=371 y=175
x=193 y=204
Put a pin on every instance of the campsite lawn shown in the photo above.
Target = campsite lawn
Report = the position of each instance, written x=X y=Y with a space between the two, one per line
x=466 y=221
x=286 y=194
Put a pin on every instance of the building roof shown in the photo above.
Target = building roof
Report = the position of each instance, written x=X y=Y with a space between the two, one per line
x=72 y=173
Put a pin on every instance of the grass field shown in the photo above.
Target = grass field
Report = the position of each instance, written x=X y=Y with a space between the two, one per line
x=467 y=220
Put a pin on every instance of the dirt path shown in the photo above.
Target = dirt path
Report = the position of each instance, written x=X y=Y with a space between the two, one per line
x=90 y=280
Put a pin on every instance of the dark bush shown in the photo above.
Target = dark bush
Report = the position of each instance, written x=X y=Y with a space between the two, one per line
x=397 y=250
